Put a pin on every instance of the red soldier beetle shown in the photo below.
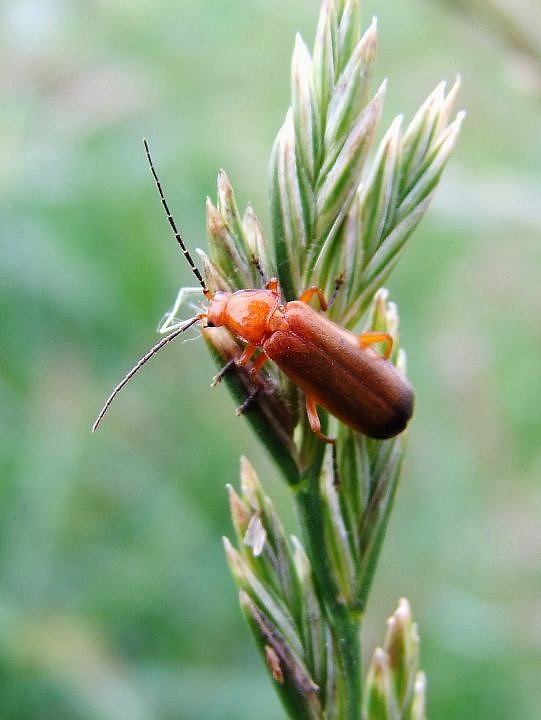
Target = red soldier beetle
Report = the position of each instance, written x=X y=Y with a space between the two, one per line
x=335 y=369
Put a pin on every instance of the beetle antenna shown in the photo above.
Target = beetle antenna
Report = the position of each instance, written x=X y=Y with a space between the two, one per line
x=193 y=266
x=153 y=350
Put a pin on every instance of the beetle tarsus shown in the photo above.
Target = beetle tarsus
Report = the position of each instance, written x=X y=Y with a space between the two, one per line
x=313 y=419
x=243 y=407
x=217 y=379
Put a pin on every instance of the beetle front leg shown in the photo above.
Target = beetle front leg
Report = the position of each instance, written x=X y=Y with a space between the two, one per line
x=246 y=355
x=242 y=361
x=313 y=419
x=217 y=379
x=369 y=338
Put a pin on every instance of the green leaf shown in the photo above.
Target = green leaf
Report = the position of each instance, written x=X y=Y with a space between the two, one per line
x=380 y=702
x=375 y=519
x=265 y=598
x=227 y=207
x=418 y=705
x=402 y=648
x=394 y=687
x=351 y=91
x=382 y=263
x=290 y=229
x=263 y=269
x=323 y=60
x=431 y=169
x=292 y=680
x=313 y=626
x=306 y=117
x=378 y=197
x=336 y=536
x=339 y=180
x=349 y=30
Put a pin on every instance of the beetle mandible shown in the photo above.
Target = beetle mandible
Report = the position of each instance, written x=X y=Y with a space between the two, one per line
x=335 y=369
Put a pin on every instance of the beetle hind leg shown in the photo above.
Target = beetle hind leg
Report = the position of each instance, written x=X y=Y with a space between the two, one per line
x=243 y=407
x=313 y=419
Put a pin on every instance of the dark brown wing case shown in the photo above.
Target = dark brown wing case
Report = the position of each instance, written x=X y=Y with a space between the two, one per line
x=354 y=384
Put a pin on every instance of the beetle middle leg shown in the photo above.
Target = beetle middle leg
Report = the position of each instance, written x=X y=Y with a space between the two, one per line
x=217 y=379
x=309 y=293
x=369 y=338
x=315 y=422
x=257 y=388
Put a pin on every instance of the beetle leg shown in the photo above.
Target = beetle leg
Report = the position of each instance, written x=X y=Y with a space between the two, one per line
x=273 y=285
x=247 y=353
x=369 y=338
x=221 y=372
x=308 y=294
x=258 y=364
x=313 y=419
x=241 y=361
x=248 y=401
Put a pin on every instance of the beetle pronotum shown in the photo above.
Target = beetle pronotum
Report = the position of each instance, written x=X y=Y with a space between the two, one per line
x=335 y=369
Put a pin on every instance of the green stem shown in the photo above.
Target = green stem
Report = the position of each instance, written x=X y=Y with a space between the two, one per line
x=346 y=628
x=344 y=623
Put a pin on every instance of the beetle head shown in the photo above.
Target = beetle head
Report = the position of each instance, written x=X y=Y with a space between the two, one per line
x=216 y=311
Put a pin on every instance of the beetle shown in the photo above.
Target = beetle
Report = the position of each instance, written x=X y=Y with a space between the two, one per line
x=336 y=369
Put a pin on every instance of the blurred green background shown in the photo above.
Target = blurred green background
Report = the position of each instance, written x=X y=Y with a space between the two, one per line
x=115 y=601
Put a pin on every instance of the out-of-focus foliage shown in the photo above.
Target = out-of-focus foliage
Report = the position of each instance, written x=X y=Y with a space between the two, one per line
x=115 y=600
